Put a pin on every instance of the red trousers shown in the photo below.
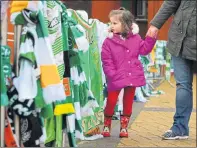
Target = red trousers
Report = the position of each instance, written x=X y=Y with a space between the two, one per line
x=129 y=93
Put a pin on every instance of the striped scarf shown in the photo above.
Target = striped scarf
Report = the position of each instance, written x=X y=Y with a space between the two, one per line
x=36 y=29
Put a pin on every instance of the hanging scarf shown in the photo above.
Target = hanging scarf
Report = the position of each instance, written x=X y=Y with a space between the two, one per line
x=5 y=73
x=21 y=108
x=50 y=81
x=54 y=22
x=31 y=130
x=84 y=77
x=9 y=133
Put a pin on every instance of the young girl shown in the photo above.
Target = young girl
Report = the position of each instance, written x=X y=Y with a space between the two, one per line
x=119 y=55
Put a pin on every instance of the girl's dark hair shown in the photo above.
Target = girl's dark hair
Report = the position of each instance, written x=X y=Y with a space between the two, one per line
x=125 y=17
x=121 y=8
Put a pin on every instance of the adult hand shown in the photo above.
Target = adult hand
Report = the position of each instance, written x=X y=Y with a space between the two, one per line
x=152 y=31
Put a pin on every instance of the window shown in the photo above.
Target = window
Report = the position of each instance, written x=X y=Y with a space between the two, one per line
x=140 y=9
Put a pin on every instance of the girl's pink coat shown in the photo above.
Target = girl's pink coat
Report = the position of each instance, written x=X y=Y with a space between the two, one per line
x=120 y=60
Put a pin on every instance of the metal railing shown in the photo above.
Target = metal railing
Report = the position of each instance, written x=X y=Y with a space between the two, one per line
x=17 y=33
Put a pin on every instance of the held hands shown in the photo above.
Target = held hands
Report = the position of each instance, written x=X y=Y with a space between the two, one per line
x=152 y=32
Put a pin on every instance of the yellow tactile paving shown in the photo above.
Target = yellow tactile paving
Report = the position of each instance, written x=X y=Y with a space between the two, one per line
x=148 y=127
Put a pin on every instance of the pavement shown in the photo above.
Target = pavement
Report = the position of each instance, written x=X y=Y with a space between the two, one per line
x=148 y=122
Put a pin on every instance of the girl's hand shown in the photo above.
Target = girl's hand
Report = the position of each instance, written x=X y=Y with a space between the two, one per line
x=152 y=32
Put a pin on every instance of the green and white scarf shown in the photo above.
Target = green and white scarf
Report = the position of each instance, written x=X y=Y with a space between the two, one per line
x=53 y=89
x=5 y=73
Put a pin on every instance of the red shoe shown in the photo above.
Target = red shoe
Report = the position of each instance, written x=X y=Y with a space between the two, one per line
x=107 y=127
x=106 y=132
x=124 y=121
x=123 y=133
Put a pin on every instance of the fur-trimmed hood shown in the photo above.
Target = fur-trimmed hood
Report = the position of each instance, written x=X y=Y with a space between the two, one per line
x=135 y=30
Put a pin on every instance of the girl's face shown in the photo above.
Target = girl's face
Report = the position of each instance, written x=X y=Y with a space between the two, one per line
x=115 y=24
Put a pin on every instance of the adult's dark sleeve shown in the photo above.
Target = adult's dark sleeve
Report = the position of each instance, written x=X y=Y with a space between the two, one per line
x=168 y=8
